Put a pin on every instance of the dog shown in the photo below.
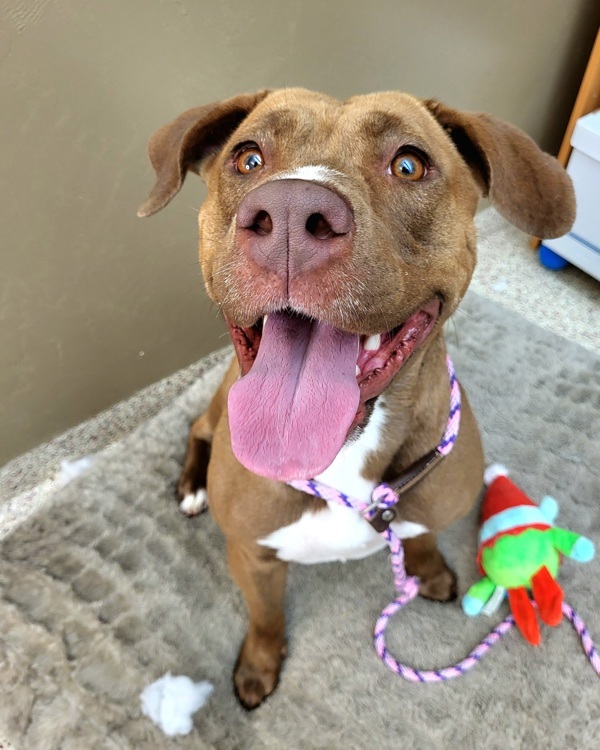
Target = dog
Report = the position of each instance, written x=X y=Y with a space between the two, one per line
x=337 y=238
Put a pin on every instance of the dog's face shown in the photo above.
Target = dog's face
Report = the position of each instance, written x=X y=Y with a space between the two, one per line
x=350 y=224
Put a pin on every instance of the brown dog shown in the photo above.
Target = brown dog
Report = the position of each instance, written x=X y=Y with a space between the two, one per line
x=350 y=224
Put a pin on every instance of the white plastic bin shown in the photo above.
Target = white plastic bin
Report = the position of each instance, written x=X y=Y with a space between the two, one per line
x=581 y=246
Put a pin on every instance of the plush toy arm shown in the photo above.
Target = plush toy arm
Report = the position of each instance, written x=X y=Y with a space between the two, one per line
x=549 y=508
x=572 y=545
x=477 y=596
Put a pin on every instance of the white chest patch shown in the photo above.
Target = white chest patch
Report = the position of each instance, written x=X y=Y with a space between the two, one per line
x=345 y=473
x=337 y=532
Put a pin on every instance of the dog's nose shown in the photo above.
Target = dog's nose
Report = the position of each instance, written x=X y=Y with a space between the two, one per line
x=292 y=227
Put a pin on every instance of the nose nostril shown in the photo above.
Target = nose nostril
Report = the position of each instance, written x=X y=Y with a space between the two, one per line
x=263 y=224
x=319 y=227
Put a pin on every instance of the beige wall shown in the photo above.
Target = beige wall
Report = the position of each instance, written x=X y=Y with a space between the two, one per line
x=85 y=286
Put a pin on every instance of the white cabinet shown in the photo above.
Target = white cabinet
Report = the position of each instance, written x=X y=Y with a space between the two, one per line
x=581 y=246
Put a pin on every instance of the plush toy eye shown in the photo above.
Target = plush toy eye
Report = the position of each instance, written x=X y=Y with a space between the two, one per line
x=248 y=160
x=408 y=165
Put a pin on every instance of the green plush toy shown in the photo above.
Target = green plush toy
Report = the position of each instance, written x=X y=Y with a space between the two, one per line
x=519 y=551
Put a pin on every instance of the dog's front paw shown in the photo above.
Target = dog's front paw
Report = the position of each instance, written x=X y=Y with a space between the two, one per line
x=194 y=503
x=254 y=679
x=253 y=685
x=441 y=587
x=423 y=559
x=191 y=488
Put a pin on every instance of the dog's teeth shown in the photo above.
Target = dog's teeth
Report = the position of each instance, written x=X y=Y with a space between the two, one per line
x=265 y=319
x=357 y=371
x=373 y=343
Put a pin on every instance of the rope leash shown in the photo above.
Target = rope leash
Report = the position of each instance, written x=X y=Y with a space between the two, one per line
x=407 y=587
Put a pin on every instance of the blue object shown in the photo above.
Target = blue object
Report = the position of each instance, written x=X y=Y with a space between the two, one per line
x=471 y=605
x=549 y=508
x=583 y=550
x=552 y=260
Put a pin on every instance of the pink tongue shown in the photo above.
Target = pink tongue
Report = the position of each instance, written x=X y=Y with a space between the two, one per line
x=289 y=416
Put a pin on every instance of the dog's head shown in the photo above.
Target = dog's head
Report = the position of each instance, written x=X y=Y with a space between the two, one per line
x=350 y=225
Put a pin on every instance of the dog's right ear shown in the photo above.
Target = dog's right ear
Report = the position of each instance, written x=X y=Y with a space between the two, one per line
x=182 y=144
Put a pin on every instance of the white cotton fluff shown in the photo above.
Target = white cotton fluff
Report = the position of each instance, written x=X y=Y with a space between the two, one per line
x=171 y=701
x=71 y=469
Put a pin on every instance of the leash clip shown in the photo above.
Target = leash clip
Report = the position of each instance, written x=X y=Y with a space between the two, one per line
x=381 y=513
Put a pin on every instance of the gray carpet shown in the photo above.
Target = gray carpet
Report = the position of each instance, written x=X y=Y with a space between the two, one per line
x=109 y=587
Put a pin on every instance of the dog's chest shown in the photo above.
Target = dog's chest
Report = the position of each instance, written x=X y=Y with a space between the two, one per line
x=337 y=532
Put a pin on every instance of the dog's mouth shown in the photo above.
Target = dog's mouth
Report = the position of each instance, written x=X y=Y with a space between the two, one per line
x=305 y=384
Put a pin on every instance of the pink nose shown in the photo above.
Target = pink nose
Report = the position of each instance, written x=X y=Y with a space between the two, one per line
x=292 y=227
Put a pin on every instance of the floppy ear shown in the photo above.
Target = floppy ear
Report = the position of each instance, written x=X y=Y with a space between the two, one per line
x=183 y=143
x=526 y=185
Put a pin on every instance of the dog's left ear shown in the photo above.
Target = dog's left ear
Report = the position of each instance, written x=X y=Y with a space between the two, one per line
x=183 y=143
x=527 y=186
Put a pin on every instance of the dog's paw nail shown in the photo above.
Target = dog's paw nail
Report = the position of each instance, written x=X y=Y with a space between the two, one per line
x=193 y=504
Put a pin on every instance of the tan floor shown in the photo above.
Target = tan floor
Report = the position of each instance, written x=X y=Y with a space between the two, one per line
x=567 y=302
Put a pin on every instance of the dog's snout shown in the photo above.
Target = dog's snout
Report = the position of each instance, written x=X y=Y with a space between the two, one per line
x=293 y=227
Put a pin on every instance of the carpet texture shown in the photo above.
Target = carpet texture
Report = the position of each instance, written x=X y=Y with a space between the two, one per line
x=108 y=587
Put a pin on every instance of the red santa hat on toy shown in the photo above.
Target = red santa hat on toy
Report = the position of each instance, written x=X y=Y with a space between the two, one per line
x=506 y=509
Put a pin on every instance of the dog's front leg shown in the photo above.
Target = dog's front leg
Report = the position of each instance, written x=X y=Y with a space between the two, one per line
x=424 y=560
x=261 y=577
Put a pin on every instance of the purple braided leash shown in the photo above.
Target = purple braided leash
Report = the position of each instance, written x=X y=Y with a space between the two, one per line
x=407 y=587
x=453 y=425
x=584 y=636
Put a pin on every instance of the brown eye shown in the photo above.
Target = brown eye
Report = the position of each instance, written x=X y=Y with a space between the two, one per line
x=249 y=160
x=408 y=166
